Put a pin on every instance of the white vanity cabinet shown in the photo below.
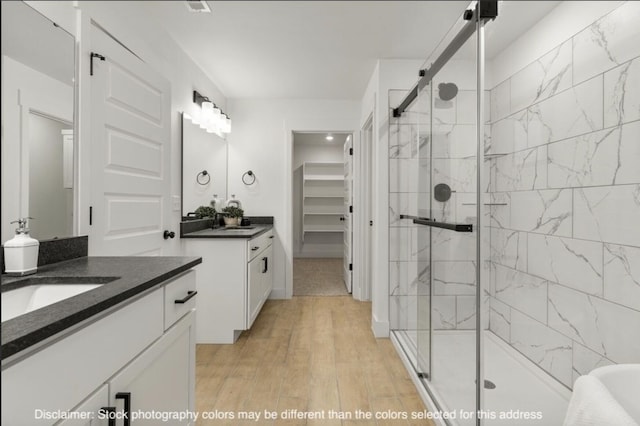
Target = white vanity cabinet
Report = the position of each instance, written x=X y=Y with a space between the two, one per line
x=234 y=281
x=130 y=349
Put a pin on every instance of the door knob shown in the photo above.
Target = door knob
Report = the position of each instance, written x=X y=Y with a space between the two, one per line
x=168 y=234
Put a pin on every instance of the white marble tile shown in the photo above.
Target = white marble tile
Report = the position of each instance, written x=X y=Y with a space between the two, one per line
x=443 y=312
x=467 y=107
x=465 y=312
x=500 y=319
x=622 y=275
x=509 y=134
x=574 y=263
x=403 y=175
x=522 y=291
x=500 y=100
x=447 y=245
x=544 y=346
x=500 y=211
x=545 y=211
x=604 y=327
x=523 y=170
x=399 y=243
x=607 y=157
x=622 y=94
x=402 y=312
x=408 y=278
x=444 y=211
x=454 y=141
x=454 y=278
x=403 y=142
x=443 y=112
x=585 y=360
x=607 y=43
x=608 y=213
x=458 y=173
x=570 y=113
x=402 y=203
x=545 y=77
x=509 y=248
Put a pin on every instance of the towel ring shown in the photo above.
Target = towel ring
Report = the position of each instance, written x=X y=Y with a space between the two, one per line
x=203 y=178
x=250 y=179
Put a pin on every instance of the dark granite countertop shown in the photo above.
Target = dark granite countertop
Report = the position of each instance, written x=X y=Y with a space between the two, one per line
x=123 y=278
x=240 y=232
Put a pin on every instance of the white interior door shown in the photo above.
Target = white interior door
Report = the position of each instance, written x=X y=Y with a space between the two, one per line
x=131 y=134
x=348 y=203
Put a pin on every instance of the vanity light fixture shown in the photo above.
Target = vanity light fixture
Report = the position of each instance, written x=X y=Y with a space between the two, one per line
x=212 y=119
x=329 y=138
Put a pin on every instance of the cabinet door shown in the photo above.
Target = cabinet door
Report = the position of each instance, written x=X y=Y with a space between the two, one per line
x=160 y=379
x=255 y=289
x=267 y=272
x=90 y=408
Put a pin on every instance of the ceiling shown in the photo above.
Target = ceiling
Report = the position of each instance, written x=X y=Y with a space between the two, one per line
x=317 y=49
x=319 y=138
x=301 y=49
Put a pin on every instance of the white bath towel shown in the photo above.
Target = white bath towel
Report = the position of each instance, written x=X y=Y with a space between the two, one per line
x=593 y=405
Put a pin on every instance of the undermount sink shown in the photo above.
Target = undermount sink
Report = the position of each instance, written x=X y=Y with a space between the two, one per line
x=35 y=293
x=239 y=228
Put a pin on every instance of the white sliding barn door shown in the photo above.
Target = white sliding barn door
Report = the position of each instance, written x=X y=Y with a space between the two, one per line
x=130 y=149
x=348 y=216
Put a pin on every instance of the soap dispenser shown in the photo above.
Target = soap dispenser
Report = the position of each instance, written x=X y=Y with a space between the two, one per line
x=218 y=203
x=21 y=252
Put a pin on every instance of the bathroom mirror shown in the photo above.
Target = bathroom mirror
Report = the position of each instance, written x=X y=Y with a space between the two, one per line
x=204 y=166
x=38 y=68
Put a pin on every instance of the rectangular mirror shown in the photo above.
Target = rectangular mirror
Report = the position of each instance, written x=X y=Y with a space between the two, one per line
x=38 y=69
x=204 y=167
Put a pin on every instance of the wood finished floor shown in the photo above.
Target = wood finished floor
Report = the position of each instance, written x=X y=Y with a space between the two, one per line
x=309 y=354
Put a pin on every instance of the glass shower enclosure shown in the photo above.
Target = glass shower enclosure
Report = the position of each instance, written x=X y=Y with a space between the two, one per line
x=513 y=204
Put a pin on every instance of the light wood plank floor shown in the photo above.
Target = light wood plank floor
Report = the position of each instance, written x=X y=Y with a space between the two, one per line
x=309 y=354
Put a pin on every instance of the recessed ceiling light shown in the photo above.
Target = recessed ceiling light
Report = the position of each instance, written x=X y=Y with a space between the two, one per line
x=198 y=6
x=329 y=138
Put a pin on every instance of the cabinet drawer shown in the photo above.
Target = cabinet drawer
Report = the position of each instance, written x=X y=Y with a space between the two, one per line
x=179 y=298
x=256 y=245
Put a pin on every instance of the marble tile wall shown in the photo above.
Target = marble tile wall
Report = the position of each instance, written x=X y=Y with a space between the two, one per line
x=565 y=249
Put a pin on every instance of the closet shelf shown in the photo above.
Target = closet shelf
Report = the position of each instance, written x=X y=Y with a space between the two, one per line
x=323 y=197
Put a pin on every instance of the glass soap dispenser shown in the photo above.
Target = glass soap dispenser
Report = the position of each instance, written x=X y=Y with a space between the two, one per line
x=21 y=252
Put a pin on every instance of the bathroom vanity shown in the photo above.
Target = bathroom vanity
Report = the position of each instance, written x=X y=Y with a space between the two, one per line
x=234 y=281
x=124 y=346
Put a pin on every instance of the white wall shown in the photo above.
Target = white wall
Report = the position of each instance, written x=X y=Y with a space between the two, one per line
x=157 y=49
x=388 y=75
x=261 y=140
x=315 y=245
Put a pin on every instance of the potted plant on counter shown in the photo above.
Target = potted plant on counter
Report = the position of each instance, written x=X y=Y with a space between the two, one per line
x=203 y=212
x=232 y=215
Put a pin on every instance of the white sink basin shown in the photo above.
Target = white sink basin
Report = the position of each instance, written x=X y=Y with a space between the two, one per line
x=29 y=298
x=623 y=382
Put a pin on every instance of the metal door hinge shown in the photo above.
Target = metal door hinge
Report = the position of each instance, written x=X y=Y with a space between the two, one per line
x=350 y=209
x=350 y=151
x=351 y=266
x=91 y=56
x=90 y=215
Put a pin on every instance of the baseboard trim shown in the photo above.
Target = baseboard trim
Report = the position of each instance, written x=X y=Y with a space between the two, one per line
x=278 y=293
x=379 y=328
